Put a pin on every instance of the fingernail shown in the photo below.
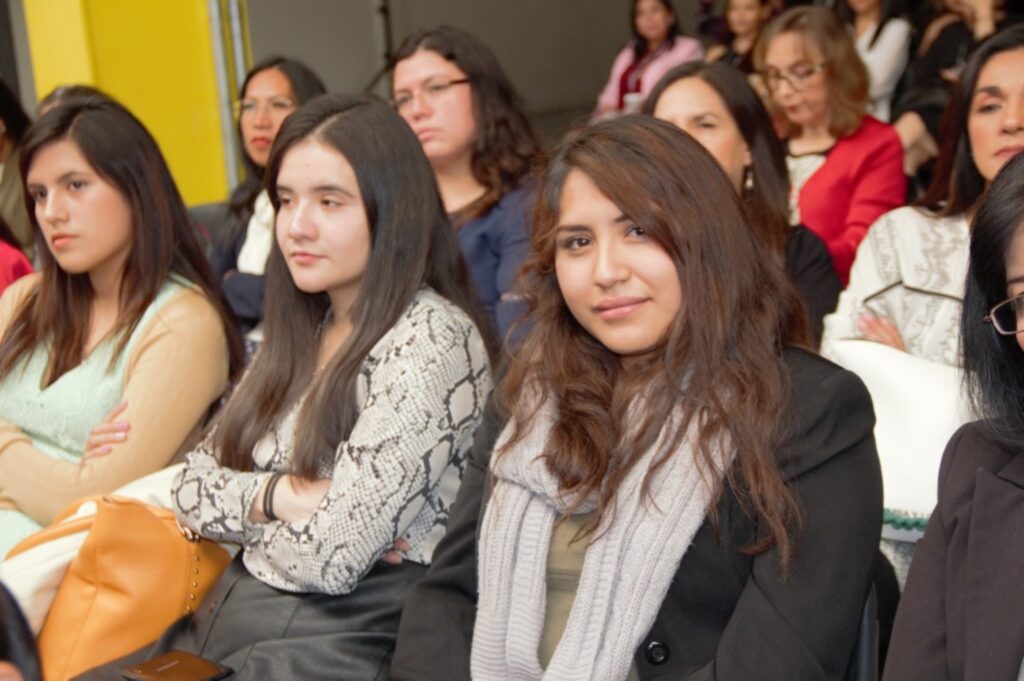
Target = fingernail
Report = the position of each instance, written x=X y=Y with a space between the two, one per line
x=122 y=424
x=120 y=436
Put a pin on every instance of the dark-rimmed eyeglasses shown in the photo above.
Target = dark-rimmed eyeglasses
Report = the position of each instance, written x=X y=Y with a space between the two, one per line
x=429 y=92
x=1006 y=317
x=797 y=75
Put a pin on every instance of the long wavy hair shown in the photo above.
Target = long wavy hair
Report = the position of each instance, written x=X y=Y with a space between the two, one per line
x=506 y=142
x=720 y=366
x=124 y=154
x=412 y=245
x=994 y=364
x=957 y=184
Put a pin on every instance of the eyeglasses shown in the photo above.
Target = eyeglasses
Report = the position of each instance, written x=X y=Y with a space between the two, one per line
x=797 y=76
x=429 y=93
x=1006 y=317
x=275 y=106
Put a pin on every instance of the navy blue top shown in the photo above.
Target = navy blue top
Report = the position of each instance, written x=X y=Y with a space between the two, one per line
x=494 y=246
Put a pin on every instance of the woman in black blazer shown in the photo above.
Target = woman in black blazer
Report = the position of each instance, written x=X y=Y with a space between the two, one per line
x=746 y=601
x=962 y=613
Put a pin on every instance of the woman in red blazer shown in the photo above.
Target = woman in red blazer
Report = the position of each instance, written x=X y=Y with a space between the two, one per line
x=846 y=168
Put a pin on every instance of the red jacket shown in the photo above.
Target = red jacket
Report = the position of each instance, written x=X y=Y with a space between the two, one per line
x=861 y=179
x=13 y=265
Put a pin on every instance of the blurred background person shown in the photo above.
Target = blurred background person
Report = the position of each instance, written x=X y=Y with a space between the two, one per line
x=473 y=127
x=657 y=45
x=719 y=108
x=882 y=37
x=845 y=166
x=745 y=19
x=272 y=90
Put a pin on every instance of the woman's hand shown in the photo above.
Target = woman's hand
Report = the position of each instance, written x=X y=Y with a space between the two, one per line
x=880 y=330
x=295 y=500
x=106 y=434
x=394 y=554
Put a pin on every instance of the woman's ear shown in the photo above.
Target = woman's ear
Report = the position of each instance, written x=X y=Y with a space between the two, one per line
x=8 y=672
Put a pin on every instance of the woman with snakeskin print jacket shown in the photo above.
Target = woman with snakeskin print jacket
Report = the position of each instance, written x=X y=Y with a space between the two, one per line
x=342 y=448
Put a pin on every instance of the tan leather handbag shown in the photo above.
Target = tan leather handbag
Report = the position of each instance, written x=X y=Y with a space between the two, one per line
x=136 y=573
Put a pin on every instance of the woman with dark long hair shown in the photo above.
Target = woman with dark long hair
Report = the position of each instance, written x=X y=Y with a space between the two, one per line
x=718 y=107
x=110 y=357
x=346 y=436
x=473 y=127
x=678 y=489
x=657 y=44
x=959 y=618
x=272 y=90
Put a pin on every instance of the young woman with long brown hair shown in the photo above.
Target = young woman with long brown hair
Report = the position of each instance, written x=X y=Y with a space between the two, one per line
x=679 y=488
x=124 y=327
x=346 y=436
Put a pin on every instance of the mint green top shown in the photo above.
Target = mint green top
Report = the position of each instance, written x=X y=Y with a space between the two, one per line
x=59 y=417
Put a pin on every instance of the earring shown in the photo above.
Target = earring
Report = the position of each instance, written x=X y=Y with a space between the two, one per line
x=748 y=179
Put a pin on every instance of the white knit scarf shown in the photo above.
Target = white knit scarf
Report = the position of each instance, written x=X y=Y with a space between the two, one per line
x=626 y=572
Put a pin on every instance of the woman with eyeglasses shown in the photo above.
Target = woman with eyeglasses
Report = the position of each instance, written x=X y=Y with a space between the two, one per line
x=471 y=122
x=960 y=617
x=272 y=90
x=845 y=167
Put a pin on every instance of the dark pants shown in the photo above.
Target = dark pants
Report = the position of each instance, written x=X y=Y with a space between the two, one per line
x=263 y=633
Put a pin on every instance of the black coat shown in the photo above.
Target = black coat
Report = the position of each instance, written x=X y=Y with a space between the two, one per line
x=961 y=617
x=727 y=615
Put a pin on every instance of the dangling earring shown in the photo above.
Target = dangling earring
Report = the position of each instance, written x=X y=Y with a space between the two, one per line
x=748 y=179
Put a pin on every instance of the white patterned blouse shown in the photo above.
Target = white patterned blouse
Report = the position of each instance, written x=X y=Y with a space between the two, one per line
x=910 y=268
x=421 y=393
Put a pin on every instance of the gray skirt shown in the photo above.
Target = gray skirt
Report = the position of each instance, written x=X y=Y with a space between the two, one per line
x=264 y=633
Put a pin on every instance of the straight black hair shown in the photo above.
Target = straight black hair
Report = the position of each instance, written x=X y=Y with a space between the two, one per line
x=14 y=117
x=412 y=245
x=994 y=364
x=957 y=184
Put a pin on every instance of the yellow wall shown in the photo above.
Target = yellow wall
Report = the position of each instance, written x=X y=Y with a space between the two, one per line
x=154 y=56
